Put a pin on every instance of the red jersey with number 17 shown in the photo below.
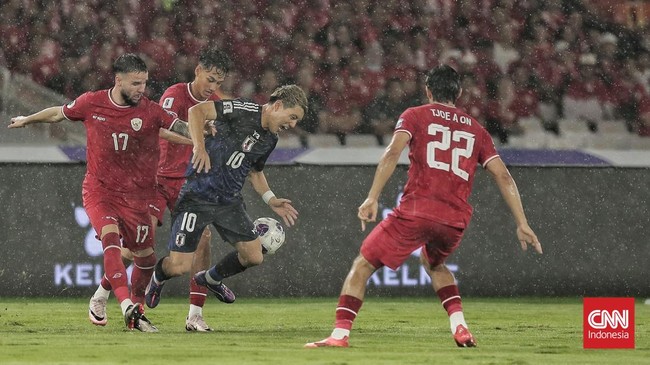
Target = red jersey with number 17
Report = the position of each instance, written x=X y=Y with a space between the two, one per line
x=121 y=143
x=445 y=147
x=174 y=157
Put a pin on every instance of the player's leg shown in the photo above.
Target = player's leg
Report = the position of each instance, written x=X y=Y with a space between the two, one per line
x=444 y=240
x=198 y=293
x=187 y=228
x=350 y=301
x=247 y=254
x=97 y=306
x=234 y=226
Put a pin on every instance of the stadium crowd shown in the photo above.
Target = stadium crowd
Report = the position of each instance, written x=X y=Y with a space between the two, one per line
x=360 y=61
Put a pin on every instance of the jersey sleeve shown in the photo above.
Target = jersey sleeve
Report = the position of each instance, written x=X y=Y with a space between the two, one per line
x=488 y=151
x=171 y=102
x=76 y=109
x=229 y=111
x=261 y=162
x=167 y=118
x=406 y=123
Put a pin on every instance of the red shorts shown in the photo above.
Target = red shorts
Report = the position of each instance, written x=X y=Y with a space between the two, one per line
x=166 y=195
x=132 y=216
x=396 y=237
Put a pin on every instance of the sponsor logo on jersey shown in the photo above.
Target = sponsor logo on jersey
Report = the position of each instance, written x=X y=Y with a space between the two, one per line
x=99 y=118
x=136 y=124
x=227 y=107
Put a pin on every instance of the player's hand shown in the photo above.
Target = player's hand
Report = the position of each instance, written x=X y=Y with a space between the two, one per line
x=284 y=209
x=367 y=212
x=17 y=122
x=527 y=237
x=210 y=128
x=201 y=160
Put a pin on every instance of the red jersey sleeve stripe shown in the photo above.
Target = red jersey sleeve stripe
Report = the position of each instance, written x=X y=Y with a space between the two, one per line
x=489 y=159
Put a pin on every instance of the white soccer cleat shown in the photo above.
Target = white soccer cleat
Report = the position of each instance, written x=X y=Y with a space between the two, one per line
x=97 y=311
x=195 y=323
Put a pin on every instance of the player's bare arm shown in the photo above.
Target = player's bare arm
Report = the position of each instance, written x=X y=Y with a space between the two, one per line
x=280 y=206
x=180 y=127
x=174 y=137
x=197 y=115
x=510 y=194
x=49 y=115
x=385 y=168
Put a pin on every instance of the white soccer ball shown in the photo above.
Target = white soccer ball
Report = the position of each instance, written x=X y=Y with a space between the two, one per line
x=271 y=234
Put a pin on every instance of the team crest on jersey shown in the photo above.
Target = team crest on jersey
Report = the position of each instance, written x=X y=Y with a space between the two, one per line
x=71 y=104
x=136 y=124
x=180 y=239
x=227 y=107
x=248 y=144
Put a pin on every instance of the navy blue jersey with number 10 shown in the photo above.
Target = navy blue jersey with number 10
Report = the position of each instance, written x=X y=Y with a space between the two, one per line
x=239 y=145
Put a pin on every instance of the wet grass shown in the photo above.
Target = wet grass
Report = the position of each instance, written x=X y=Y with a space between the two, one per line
x=272 y=331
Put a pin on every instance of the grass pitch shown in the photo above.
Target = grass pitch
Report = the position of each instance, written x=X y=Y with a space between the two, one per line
x=272 y=331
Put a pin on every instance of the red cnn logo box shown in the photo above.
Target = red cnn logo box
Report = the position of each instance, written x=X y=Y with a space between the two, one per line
x=608 y=323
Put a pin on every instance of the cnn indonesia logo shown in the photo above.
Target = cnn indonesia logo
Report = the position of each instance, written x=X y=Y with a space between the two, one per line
x=608 y=323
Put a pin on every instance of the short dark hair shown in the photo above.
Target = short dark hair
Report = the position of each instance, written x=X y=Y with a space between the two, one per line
x=210 y=58
x=444 y=83
x=291 y=96
x=129 y=62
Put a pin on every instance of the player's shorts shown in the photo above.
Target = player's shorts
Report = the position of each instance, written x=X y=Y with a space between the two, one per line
x=132 y=216
x=191 y=217
x=393 y=240
x=167 y=192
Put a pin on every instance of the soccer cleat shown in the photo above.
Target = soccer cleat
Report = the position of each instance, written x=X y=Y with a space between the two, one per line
x=97 y=311
x=195 y=323
x=463 y=337
x=153 y=292
x=135 y=319
x=328 y=342
x=221 y=291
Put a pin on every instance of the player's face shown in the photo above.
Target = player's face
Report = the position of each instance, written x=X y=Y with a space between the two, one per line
x=207 y=82
x=132 y=86
x=285 y=118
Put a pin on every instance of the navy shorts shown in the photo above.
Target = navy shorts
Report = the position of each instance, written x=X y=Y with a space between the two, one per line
x=190 y=218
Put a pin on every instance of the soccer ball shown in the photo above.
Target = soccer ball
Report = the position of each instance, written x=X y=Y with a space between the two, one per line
x=271 y=233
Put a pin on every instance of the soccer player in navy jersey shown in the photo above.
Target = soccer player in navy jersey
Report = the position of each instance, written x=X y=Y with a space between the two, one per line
x=246 y=135
x=175 y=154
x=122 y=128
x=445 y=145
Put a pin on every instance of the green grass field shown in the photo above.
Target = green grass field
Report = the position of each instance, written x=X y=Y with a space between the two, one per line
x=272 y=331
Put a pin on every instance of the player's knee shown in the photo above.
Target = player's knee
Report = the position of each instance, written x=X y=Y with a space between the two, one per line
x=145 y=263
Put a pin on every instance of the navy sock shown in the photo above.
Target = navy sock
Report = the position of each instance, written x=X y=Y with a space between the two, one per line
x=227 y=267
x=159 y=272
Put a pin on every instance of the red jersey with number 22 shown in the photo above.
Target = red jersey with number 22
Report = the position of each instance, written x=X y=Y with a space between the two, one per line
x=445 y=147
x=174 y=157
x=121 y=143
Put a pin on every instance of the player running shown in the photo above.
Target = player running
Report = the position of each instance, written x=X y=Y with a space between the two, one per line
x=246 y=135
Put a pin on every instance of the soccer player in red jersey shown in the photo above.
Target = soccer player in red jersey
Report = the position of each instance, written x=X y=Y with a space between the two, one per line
x=445 y=145
x=122 y=128
x=210 y=73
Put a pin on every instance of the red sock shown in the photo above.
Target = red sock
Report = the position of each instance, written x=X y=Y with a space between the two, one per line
x=347 y=311
x=114 y=269
x=105 y=283
x=450 y=299
x=142 y=271
x=198 y=293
